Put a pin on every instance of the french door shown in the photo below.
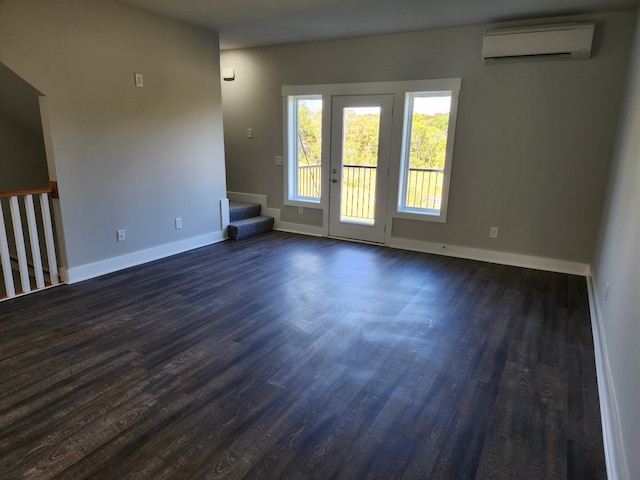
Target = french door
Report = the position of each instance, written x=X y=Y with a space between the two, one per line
x=360 y=147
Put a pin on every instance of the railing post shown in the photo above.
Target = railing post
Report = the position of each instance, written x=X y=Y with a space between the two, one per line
x=33 y=240
x=49 y=240
x=7 y=273
x=22 y=252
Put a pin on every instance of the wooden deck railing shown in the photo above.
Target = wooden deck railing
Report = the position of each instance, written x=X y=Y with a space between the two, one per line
x=22 y=250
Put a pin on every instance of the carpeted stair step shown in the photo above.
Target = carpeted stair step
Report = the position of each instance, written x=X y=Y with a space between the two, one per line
x=248 y=227
x=242 y=210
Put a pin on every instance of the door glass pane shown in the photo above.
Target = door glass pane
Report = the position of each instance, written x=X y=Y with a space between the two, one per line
x=361 y=131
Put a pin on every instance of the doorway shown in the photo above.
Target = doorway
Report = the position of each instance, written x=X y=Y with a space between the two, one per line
x=360 y=150
x=28 y=249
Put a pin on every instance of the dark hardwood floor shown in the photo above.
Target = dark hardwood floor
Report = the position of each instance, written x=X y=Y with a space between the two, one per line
x=293 y=357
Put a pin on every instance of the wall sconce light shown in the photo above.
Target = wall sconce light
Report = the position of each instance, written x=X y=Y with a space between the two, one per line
x=228 y=74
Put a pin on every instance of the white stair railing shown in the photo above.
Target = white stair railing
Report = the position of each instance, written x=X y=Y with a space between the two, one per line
x=14 y=255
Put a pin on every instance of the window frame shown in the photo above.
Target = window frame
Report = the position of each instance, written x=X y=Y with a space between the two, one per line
x=416 y=213
x=291 y=152
x=399 y=89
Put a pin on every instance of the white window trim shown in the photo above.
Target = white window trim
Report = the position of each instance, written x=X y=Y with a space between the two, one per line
x=399 y=89
x=425 y=214
x=291 y=146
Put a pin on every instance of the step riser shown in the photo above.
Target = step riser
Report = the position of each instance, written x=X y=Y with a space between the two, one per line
x=249 y=227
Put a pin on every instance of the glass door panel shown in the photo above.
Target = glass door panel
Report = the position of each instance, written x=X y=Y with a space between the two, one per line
x=360 y=140
x=361 y=136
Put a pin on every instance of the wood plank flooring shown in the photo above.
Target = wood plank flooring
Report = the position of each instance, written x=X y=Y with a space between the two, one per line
x=294 y=357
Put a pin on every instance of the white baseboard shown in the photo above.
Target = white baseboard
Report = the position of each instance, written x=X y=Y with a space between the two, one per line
x=612 y=437
x=492 y=256
x=248 y=197
x=300 y=228
x=92 y=270
x=275 y=213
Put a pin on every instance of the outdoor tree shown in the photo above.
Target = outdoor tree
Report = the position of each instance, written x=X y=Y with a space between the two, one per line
x=360 y=138
x=428 y=140
x=427 y=149
x=309 y=133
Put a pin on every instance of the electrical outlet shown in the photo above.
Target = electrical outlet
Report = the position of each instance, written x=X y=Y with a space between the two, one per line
x=121 y=235
x=138 y=80
x=249 y=132
x=279 y=160
x=178 y=223
x=493 y=232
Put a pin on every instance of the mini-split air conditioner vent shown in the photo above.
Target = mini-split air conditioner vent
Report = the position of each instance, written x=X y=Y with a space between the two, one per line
x=569 y=41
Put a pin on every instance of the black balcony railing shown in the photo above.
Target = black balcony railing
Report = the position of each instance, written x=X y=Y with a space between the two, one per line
x=423 y=189
x=358 y=193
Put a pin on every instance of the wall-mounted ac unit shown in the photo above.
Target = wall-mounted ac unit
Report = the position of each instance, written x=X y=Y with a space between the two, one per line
x=543 y=42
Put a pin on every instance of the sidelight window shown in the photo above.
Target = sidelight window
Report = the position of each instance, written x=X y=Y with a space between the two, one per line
x=426 y=153
x=304 y=162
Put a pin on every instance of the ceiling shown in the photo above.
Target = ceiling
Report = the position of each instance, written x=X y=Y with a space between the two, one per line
x=246 y=23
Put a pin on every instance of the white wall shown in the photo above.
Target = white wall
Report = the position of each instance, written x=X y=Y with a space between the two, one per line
x=125 y=157
x=617 y=263
x=533 y=141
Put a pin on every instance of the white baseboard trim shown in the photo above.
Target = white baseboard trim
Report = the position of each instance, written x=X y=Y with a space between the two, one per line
x=611 y=435
x=492 y=256
x=248 y=197
x=273 y=212
x=92 y=270
x=300 y=228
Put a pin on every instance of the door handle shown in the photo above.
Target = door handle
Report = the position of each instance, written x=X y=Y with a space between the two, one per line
x=334 y=180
